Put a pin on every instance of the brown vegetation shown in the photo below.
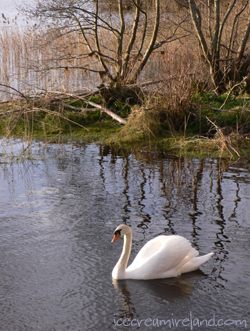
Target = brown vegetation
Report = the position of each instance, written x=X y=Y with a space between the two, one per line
x=151 y=59
x=112 y=47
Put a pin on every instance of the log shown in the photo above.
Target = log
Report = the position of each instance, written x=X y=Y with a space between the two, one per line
x=102 y=108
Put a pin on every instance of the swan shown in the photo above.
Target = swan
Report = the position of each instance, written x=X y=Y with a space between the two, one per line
x=161 y=257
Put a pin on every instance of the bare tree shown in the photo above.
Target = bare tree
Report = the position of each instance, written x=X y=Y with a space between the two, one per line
x=222 y=29
x=111 y=42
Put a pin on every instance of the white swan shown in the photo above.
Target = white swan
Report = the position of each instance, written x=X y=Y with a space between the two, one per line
x=161 y=257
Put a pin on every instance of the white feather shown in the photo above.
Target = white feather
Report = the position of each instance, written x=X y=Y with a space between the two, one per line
x=161 y=257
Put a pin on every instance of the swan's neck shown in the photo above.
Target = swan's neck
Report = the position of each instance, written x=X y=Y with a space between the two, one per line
x=121 y=265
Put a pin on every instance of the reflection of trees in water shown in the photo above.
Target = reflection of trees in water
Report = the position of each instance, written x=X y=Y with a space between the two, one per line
x=157 y=195
x=16 y=174
x=174 y=195
x=236 y=201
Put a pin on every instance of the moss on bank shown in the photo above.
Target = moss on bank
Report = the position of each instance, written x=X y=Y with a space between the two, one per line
x=210 y=126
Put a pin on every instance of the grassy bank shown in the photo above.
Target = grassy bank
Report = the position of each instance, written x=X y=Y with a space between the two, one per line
x=205 y=126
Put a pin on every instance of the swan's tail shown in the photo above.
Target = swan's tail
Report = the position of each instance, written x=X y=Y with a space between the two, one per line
x=195 y=263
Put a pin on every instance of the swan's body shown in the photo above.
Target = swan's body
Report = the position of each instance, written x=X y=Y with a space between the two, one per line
x=161 y=257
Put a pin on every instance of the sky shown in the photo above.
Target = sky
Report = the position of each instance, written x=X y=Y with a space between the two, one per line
x=9 y=12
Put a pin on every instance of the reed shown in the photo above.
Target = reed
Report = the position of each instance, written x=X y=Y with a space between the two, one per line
x=171 y=79
x=25 y=67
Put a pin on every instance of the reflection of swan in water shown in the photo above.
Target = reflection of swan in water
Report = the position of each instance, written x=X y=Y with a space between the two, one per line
x=161 y=257
x=170 y=290
x=127 y=310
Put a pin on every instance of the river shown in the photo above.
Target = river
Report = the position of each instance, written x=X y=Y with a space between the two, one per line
x=58 y=210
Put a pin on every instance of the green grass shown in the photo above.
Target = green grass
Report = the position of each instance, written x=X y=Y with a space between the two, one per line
x=233 y=117
x=147 y=132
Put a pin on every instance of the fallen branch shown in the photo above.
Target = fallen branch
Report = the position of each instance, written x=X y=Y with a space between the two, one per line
x=96 y=105
x=91 y=103
x=107 y=111
x=76 y=108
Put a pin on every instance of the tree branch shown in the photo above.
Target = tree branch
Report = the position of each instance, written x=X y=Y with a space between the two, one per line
x=91 y=103
x=151 y=44
x=131 y=41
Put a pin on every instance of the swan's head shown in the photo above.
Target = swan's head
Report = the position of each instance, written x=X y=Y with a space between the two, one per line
x=121 y=230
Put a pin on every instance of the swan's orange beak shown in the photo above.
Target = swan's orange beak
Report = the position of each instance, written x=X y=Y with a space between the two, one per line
x=116 y=236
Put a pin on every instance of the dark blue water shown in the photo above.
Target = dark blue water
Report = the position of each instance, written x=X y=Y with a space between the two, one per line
x=58 y=211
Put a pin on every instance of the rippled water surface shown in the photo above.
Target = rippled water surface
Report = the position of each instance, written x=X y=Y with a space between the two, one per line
x=58 y=211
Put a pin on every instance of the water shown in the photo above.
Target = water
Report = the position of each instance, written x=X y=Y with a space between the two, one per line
x=58 y=211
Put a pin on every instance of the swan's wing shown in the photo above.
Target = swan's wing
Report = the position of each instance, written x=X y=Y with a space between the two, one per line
x=195 y=263
x=159 y=256
x=151 y=248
